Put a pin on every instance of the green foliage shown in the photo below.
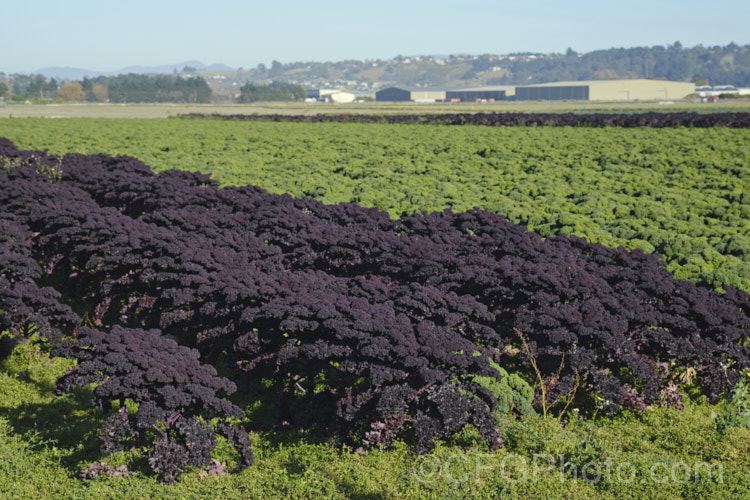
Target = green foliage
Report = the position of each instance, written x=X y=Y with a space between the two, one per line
x=735 y=410
x=513 y=394
x=30 y=348
x=154 y=88
x=275 y=91
x=53 y=173
x=34 y=86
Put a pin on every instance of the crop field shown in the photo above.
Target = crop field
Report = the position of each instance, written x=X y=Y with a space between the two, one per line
x=682 y=193
x=435 y=312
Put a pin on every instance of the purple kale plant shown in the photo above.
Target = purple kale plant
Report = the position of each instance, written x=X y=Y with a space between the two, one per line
x=176 y=395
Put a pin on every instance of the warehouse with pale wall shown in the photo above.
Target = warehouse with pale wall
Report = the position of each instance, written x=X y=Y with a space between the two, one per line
x=592 y=90
x=606 y=90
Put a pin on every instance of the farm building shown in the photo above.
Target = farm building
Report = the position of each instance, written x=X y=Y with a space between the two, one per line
x=422 y=94
x=330 y=95
x=606 y=90
x=342 y=97
x=499 y=93
x=416 y=94
x=718 y=90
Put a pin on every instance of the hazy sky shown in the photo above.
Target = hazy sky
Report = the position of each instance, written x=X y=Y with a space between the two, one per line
x=107 y=36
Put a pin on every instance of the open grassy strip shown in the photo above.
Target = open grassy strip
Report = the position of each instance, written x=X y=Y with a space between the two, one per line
x=679 y=192
x=45 y=441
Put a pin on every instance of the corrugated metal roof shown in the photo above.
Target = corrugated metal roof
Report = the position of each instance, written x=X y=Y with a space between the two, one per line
x=582 y=83
x=415 y=89
x=446 y=89
x=488 y=88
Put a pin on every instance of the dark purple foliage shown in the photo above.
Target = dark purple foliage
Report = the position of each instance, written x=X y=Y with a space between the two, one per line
x=25 y=307
x=168 y=382
x=168 y=456
x=102 y=469
x=647 y=119
x=115 y=430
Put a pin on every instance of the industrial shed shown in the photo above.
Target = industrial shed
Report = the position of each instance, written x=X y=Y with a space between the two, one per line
x=330 y=95
x=499 y=93
x=606 y=90
x=410 y=94
x=422 y=94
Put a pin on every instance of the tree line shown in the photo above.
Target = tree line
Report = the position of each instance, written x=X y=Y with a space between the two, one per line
x=138 y=88
x=702 y=65
x=275 y=91
x=118 y=89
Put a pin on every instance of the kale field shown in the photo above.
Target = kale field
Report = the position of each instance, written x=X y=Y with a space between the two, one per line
x=463 y=311
x=681 y=192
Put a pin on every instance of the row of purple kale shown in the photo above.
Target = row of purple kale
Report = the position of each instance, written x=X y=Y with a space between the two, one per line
x=397 y=317
x=595 y=120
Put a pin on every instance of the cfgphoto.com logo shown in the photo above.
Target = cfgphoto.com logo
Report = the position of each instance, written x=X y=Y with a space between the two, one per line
x=512 y=468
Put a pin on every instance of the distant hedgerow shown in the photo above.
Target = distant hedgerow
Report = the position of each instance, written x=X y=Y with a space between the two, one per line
x=645 y=119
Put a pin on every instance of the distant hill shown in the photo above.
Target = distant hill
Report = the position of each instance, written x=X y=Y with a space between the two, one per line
x=67 y=73
x=171 y=68
x=715 y=65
